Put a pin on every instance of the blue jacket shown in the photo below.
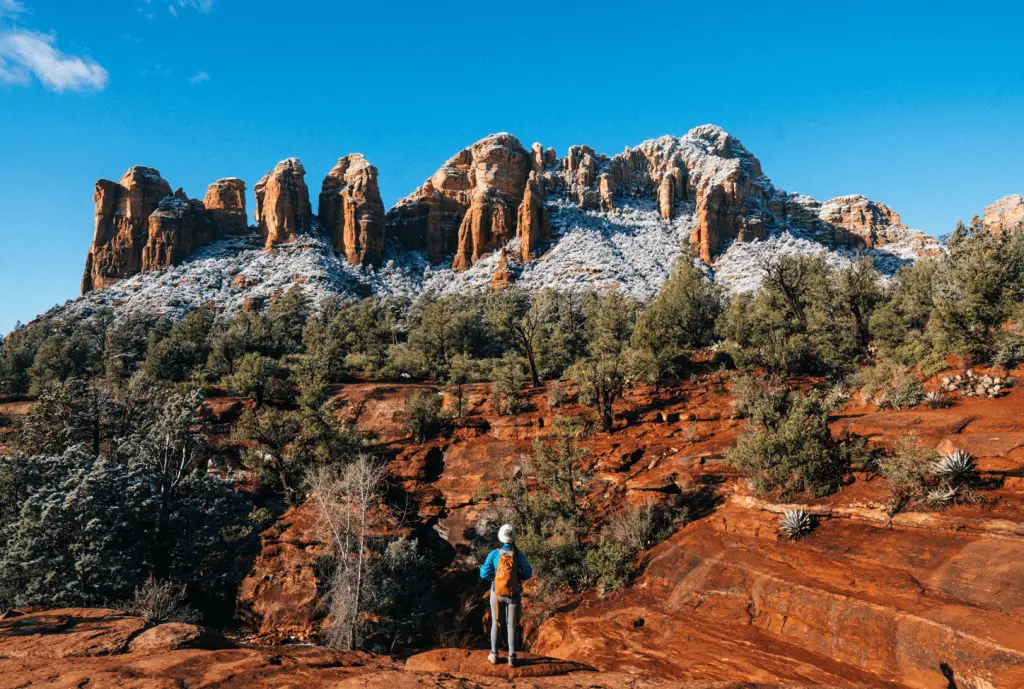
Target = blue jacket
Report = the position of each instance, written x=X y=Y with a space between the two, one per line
x=490 y=566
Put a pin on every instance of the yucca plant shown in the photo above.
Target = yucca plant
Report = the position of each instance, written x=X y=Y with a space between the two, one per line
x=936 y=399
x=795 y=524
x=941 y=496
x=956 y=468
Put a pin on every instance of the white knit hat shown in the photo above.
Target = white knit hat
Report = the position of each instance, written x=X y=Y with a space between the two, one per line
x=507 y=533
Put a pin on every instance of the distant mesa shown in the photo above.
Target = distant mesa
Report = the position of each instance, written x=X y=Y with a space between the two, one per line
x=493 y=195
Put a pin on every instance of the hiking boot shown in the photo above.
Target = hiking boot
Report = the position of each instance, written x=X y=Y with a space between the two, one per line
x=492 y=658
x=511 y=660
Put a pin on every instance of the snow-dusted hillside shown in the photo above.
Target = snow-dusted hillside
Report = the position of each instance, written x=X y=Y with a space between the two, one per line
x=630 y=248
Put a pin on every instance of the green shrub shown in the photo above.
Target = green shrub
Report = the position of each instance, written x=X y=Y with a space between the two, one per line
x=793 y=452
x=423 y=416
x=610 y=564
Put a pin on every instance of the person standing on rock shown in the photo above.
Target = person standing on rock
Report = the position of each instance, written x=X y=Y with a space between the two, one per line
x=505 y=567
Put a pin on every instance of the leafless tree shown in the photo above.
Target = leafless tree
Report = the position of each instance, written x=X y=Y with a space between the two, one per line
x=345 y=499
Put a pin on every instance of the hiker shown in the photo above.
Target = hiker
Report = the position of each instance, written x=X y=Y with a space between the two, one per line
x=505 y=567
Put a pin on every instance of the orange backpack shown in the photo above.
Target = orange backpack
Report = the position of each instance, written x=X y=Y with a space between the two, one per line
x=506 y=579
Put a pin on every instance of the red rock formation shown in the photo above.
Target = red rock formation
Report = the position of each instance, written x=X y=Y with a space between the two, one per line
x=142 y=226
x=502 y=276
x=857 y=221
x=533 y=224
x=177 y=227
x=122 y=225
x=279 y=597
x=282 y=203
x=225 y=202
x=1005 y=215
x=351 y=210
x=468 y=206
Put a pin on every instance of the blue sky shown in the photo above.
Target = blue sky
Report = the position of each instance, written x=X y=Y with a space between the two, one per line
x=918 y=105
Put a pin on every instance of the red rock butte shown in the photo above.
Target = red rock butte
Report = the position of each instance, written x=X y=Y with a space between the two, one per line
x=482 y=199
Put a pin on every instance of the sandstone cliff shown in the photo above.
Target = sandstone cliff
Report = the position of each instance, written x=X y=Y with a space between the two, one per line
x=282 y=203
x=141 y=226
x=122 y=225
x=1006 y=214
x=351 y=210
x=533 y=224
x=469 y=206
x=225 y=200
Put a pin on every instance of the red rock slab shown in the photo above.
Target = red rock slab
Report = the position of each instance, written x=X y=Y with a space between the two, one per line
x=68 y=633
x=459 y=661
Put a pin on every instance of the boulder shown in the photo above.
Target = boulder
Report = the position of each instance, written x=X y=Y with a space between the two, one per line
x=68 y=633
x=282 y=203
x=174 y=636
x=468 y=207
x=351 y=210
x=225 y=202
x=122 y=225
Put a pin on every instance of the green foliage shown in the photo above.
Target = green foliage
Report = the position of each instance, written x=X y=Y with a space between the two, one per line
x=975 y=290
x=259 y=378
x=681 y=317
x=423 y=416
x=610 y=564
x=510 y=376
x=443 y=327
x=605 y=372
x=70 y=413
x=807 y=318
x=791 y=451
x=186 y=347
x=84 y=533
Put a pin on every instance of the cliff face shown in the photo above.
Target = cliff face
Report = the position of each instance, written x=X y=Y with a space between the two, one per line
x=351 y=210
x=469 y=206
x=122 y=225
x=1005 y=215
x=141 y=226
x=282 y=203
x=704 y=186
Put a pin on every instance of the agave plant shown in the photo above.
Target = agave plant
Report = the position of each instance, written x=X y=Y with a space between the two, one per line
x=941 y=496
x=936 y=399
x=957 y=467
x=796 y=524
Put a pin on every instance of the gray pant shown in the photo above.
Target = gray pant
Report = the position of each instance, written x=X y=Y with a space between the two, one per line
x=508 y=605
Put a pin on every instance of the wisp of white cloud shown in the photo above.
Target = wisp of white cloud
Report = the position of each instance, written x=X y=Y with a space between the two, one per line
x=24 y=53
x=199 y=78
x=203 y=6
x=11 y=8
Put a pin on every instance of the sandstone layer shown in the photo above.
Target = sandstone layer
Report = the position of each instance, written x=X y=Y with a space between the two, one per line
x=351 y=210
x=282 y=203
